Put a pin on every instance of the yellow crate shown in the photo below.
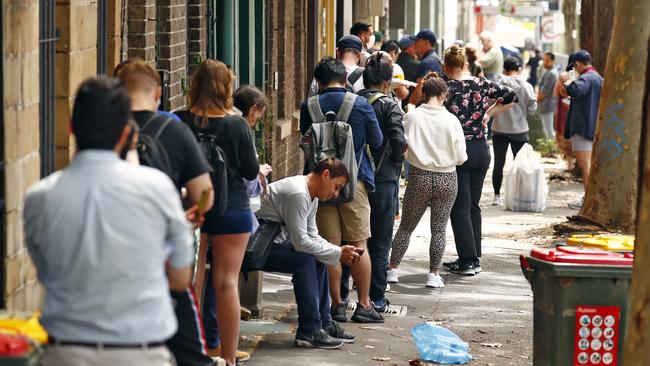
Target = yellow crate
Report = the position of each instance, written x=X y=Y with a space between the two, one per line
x=615 y=243
x=23 y=323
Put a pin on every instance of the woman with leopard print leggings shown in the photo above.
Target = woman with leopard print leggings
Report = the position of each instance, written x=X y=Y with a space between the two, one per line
x=436 y=145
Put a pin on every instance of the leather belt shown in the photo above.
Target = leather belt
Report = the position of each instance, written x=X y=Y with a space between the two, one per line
x=101 y=345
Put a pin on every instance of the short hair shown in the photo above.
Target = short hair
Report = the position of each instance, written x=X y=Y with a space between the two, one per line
x=247 y=97
x=139 y=76
x=211 y=89
x=334 y=166
x=390 y=46
x=342 y=51
x=329 y=70
x=359 y=27
x=377 y=70
x=433 y=86
x=550 y=55
x=101 y=109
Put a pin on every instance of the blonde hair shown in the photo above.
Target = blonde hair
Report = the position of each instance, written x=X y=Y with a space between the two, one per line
x=211 y=89
x=455 y=57
x=138 y=76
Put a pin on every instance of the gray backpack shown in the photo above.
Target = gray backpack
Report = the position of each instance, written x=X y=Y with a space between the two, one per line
x=330 y=136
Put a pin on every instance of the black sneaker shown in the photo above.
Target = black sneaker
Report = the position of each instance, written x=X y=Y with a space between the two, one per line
x=371 y=315
x=334 y=330
x=447 y=265
x=338 y=313
x=462 y=269
x=477 y=266
x=317 y=339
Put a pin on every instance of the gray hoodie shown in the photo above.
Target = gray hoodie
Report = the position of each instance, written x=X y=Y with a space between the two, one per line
x=513 y=121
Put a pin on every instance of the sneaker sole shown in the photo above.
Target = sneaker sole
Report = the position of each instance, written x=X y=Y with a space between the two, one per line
x=467 y=272
x=307 y=344
x=430 y=285
x=348 y=341
x=477 y=270
x=392 y=281
x=362 y=319
x=340 y=319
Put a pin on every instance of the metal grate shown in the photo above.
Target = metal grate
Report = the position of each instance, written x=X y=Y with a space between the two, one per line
x=102 y=36
x=48 y=35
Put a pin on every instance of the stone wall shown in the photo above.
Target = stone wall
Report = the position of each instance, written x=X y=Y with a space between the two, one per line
x=21 y=145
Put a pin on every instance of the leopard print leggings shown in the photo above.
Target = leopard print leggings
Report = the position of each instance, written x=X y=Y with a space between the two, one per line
x=426 y=189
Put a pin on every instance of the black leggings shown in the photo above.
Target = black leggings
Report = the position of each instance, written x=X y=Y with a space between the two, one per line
x=500 y=144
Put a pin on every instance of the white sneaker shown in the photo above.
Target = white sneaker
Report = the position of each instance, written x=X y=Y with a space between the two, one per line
x=392 y=276
x=434 y=281
x=497 y=200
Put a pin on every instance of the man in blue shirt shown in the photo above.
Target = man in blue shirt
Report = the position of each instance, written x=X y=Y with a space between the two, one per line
x=349 y=222
x=583 y=112
x=425 y=43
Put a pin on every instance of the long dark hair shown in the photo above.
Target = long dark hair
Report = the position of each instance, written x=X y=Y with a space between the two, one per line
x=247 y=97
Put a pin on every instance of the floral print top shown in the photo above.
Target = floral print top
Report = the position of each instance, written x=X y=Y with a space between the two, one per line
x=469 y=99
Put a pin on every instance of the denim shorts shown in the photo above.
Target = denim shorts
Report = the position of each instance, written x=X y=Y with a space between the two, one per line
x=233 y=221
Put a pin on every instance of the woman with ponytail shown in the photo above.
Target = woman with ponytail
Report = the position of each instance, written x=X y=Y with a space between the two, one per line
x=473 y=100
x=436 y=145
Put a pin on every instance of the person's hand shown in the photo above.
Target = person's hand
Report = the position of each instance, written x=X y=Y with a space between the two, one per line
x=265 y=169
x=192 y=215
x=349 y=255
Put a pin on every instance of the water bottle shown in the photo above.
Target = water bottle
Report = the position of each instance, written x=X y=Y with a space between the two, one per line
x=440 y=345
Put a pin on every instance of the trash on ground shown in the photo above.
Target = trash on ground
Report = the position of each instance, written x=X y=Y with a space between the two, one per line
x=492 y=345
x=440 y=345
x=382 y=359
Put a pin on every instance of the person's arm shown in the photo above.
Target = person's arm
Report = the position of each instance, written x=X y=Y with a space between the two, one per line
x=195 y=188
x=460 y=144
x=500 y=93
x=195 y=172
x=417 y=92
x=301 y=227
x=374 y=137
x=250 y=166
x=31 y=217
x=577 y=88
x=531 y=106
x=396 y=134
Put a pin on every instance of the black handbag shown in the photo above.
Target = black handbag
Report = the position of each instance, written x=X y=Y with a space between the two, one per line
x=259 y=245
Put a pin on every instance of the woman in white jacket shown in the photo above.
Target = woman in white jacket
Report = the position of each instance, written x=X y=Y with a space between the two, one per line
x=436 y=145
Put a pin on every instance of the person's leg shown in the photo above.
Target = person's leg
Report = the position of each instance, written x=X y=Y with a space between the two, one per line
x=547 y=123
x=227 y=256
x=583 y=159
x=382 y=219
x=416 y=200
x=515 y=146
x=210 y=314
x=329 y=227
x=476 y=179
x=500 y=146
x=188 y=344
x=445 y=188
x=461 y=220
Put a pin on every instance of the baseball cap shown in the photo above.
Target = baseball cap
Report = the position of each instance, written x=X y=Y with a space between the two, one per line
x=582 y=56
x=511 y=63
x=427 y=34
x=350 y=41
x=379 y=36
x=406 y=41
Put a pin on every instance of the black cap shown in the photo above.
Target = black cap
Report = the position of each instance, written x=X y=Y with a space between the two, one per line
x=427 y=34
x=350 y=41
x=582 y=56
x=512 y=63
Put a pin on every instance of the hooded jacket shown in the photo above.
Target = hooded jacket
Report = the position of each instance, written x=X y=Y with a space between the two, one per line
x=389 y=114
x=513 y=121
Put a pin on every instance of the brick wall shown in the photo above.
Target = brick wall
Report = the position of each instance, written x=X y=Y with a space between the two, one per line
x=141 y=29
x=116 y=34
x=21 y=145
x=196 y=34
x=172 y=48
x=76 y=60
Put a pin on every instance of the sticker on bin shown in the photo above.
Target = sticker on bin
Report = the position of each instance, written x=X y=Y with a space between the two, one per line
x=596 y=337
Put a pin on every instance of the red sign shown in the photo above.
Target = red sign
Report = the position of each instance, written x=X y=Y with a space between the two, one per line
x=596 y=336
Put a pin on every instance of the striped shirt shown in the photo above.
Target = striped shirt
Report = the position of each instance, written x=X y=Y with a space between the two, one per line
x=99 y=233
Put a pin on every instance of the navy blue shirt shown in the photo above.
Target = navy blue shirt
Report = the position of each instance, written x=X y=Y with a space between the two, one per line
x=365 y=128
x=583 y=111
x=430 y=62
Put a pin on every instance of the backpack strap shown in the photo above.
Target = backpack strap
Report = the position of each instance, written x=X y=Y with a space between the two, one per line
x=375 y=97
x=313 y=107
x=157 y=132
x=346 y=107
x=355 y=75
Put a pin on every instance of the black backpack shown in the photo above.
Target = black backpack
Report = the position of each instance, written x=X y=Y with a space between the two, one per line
x=151 y=151
x=353 y=77
x=217 y=159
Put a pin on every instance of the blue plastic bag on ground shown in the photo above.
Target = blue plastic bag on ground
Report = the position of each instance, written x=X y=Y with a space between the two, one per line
x=440 y=345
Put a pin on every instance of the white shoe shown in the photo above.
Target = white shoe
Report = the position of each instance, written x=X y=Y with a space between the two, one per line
x=387 y=287
x=434 y=281
x=392 y=276
x=497 y=200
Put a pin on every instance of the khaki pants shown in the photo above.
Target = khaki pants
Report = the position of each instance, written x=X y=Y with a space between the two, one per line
x=349 y=222
x=90 y=356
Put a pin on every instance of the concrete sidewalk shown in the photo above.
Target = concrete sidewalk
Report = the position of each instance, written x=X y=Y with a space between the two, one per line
x=492 y=311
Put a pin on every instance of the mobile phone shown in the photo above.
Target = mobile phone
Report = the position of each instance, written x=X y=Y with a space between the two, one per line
x=203 y=201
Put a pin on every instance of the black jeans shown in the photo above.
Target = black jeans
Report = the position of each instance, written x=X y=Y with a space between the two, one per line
x=382 y=219
x=500 y=144
x=466 y=213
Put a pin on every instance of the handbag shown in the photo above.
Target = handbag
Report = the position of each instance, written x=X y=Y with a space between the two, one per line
x=259 y=245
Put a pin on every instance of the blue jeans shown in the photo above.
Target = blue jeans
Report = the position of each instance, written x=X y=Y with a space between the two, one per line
x=382 y=219
x=310 y=284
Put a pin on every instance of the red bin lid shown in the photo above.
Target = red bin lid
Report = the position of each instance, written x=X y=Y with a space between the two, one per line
x=578 y=255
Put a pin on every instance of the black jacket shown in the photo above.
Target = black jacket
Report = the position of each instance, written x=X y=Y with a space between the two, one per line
x=389 y=114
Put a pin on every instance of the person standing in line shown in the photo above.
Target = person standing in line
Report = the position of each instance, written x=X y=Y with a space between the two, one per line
x=109 y=239
x=583 y=113
x=511 y=125
x=474 y=67
x=398 y=82
x=547 y=101
x=436 y=145
x=425 y=46
x=210 y=112
x=533 y=64
x=408 y=61
x=491 y=59
x=348 y=51
x=367 y=36
x=388 y=160
x=470 y=100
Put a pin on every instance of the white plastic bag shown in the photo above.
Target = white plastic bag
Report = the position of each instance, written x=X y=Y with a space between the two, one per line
x=526 y=189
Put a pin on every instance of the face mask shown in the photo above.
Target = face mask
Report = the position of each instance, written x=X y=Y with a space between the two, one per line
x=371 y=42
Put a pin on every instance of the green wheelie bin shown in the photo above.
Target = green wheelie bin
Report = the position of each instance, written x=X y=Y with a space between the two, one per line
x=580 y=300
